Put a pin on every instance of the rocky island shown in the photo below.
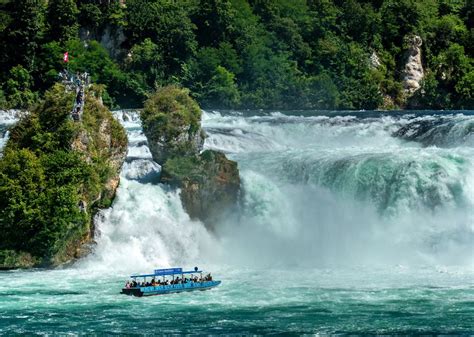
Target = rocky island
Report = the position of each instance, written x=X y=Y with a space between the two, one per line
x=209 y=182
x=55 y=174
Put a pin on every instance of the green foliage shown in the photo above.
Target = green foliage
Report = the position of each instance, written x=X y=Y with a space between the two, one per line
x=167 y=24
x=23 y=35
x=189 y=167
x=90 y=15
x=18 y=88
x=94 y=59
x=431 y=95
x=240 y=53
x=172 y=119
x=321 y=92
x=222 y=89
x=43 y=181
x=172 y=104
x=62 y=18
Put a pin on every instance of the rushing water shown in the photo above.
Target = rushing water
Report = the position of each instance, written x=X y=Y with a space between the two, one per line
x=349 y=223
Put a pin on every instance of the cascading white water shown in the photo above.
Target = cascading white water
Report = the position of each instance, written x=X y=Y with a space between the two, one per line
x=347 y=190
x=347 y=226
x=146 y=227
x=319 y=191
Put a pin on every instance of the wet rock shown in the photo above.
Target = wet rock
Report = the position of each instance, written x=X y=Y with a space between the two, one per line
x=209 y=184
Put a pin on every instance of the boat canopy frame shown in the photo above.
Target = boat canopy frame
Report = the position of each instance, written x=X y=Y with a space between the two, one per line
x=168 y=272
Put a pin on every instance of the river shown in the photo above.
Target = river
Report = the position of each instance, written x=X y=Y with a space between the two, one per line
x=350 y=222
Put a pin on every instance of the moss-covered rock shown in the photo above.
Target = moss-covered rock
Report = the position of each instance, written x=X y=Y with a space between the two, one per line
x=171 y=121
x=209 y=182
x=54 y=176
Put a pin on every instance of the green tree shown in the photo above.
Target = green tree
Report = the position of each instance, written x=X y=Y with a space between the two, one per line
x=63 y=20
x=25 y=33
x=146 y=60
x=168 y=25
x=447 y=30
x=90 y=15
x=321 y=92
x=18 y=88
x=221 y=90
x=465 y=89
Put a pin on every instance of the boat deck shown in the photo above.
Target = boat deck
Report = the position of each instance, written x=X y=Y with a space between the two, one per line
x=168 y=289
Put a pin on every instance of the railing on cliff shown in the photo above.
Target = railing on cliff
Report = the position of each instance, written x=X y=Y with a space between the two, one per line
x=76 y=83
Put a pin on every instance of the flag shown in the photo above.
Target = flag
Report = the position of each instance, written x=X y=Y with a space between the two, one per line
x=66 y=57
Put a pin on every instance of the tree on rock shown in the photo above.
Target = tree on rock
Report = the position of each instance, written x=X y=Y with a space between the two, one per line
x=209 y=182
x=171 y=120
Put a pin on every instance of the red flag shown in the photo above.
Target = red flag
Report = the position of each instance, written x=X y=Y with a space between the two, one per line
x=66 y=57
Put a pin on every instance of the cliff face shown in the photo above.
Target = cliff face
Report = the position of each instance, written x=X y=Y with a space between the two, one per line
x=209 y=182
x=54 y=176
x=413 y=73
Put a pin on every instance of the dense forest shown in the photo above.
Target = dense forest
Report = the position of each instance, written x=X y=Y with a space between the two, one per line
x=285 y=54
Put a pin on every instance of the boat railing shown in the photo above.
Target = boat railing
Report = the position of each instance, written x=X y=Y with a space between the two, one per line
x=175 y=286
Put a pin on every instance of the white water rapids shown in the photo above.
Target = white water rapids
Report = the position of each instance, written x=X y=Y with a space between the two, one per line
x=347 y=225
x=316 y=191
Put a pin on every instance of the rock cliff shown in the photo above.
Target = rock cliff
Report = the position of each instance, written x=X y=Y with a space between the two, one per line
x=54 y=176
x=209 y=182
x=413 y=72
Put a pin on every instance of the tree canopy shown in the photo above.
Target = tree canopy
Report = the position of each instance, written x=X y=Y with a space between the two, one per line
x=286 y=54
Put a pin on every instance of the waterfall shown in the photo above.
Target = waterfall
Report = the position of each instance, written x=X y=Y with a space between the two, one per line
x=333 y=189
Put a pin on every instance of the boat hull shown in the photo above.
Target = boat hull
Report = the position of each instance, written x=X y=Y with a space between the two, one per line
x=169 y=289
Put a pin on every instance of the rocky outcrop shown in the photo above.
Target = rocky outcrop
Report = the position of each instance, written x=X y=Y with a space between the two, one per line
x=171 y=122
x=209 y=182
x=413 y=72
x=54 y=176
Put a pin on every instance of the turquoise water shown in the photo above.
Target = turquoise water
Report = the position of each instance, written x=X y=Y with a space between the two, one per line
x=347 y=225
x=396 y=300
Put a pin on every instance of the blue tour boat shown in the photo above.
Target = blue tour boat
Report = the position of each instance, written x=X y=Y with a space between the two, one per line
x=173 y=280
